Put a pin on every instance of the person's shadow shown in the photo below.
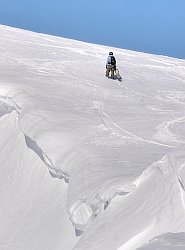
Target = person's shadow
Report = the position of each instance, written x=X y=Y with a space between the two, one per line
x=118 y=76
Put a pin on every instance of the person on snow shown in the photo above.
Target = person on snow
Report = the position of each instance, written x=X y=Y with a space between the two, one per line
x=110 y=66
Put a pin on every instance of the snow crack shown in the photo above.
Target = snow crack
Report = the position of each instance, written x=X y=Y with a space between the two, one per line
x=5 y=107
x=55 y=172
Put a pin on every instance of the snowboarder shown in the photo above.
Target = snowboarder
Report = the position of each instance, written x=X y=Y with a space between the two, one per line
x=111 y=66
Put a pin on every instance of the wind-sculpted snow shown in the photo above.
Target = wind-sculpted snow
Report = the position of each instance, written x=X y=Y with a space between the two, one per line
x=142 y=214
x=5 y=106
x=32 y=203
x=87 y=162
x=169 y=241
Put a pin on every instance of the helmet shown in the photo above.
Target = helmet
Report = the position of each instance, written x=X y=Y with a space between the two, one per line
x=110 y=53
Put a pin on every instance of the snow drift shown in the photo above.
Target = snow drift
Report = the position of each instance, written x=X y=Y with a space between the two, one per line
x=87 y=162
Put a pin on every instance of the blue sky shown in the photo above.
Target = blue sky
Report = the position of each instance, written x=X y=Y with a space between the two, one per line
x=153 y=26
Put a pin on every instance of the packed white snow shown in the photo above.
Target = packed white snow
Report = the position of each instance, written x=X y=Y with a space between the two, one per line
x=87 y=162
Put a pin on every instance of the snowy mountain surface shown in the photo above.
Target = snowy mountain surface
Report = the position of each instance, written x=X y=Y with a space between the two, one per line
x=87 y=162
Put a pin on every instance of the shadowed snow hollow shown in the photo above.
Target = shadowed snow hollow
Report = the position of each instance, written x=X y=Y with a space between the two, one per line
x=87 y=162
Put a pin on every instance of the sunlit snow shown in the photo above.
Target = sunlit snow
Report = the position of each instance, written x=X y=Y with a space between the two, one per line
x=87 y=162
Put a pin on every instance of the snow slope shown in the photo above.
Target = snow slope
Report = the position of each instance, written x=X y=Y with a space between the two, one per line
x=86 y=162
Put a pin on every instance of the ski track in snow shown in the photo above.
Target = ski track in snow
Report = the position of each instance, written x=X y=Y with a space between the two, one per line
x=164 y=131
x=115 y=128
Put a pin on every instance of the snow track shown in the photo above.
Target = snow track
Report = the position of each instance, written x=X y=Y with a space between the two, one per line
x=115 y=128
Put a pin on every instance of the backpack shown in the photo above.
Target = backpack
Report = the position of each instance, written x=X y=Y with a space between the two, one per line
x=113 y=60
